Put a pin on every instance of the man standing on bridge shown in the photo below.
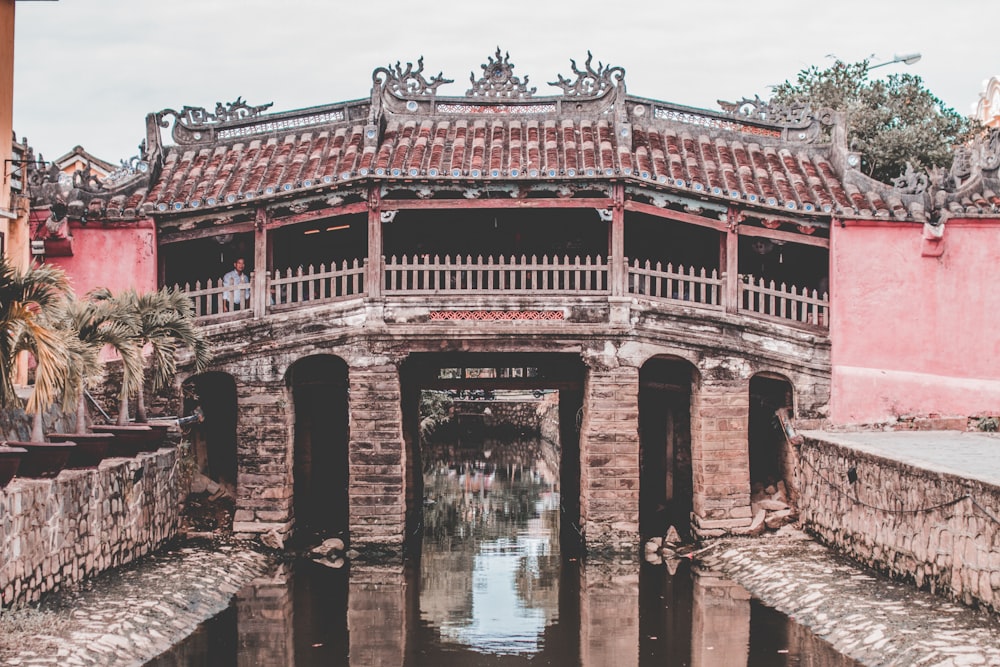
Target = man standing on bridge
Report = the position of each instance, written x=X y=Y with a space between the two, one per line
x=237 y=298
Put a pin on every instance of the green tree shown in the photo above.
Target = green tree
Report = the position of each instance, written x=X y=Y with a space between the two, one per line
x=890 y=121
x=163 y=323
x=96 y=322
x=27 y=301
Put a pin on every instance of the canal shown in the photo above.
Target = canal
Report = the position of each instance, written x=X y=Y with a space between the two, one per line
x=491 y=584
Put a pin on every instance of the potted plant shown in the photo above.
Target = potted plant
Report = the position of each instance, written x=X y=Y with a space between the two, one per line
x=27 y=301
x=161 y=323
x=96 y=322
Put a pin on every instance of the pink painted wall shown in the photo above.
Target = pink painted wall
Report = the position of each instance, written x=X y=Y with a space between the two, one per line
x=113 y=256
x=914 y=334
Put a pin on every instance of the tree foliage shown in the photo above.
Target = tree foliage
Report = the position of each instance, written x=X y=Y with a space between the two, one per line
x=890 y=122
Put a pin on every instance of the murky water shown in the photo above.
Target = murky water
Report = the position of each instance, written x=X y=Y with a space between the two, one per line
x=491 y=587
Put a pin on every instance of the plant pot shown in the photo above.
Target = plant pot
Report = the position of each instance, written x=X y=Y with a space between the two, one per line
x=10 y=460
x=132 y=439
x=163 y=428
x=43 y=459
x=90 y=450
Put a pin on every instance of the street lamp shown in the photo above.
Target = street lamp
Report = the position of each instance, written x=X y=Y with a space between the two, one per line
x=908 y=59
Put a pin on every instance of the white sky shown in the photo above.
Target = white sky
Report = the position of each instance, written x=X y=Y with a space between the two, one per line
x=88 y=71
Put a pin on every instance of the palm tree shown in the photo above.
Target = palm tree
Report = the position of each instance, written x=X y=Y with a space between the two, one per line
x=164 y=321
x=96 y=322
x=27 y=299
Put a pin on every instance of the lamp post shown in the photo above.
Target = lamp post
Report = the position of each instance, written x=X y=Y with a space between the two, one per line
x=907 y=59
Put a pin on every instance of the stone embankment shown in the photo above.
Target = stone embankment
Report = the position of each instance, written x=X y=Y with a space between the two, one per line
x=129 y=616
x=863 y=614
x=922 y=507
x=56 y=532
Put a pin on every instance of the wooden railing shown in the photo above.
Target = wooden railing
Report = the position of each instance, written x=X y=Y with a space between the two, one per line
x=317 y=286
x=690 y=285
x=209 y=300
x=523 y=275
x=763 y=298
x=420 y=274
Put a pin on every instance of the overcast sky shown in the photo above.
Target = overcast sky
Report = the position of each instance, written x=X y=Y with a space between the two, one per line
x=88 y=71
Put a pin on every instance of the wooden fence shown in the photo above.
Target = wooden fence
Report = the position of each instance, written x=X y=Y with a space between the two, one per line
x=695 y=286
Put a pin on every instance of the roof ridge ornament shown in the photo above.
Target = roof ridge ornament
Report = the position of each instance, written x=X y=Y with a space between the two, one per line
x=498 y=80
x=793 y=114
x=409 y=81
x=590 y=82
x=195 y=117
x=190 y=122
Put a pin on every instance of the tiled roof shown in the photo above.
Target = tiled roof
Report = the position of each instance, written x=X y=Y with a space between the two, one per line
x=593 y=132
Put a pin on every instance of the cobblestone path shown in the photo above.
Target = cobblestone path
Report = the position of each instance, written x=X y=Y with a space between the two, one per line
x=131 y=615
x=863 y=615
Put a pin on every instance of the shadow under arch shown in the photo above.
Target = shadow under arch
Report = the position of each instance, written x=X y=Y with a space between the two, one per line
x=213 y=441
x=666 y=490
x=771 y=457
x=319 y=391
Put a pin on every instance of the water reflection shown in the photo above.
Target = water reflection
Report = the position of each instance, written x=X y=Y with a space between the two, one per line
x=490 y=586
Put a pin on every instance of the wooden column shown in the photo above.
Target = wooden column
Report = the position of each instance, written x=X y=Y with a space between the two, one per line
x=617 y=241
x=258 y=290
x=373 y=276
x=729 y=248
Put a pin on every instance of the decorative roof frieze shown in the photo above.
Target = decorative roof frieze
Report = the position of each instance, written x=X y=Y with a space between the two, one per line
x=498 y=80
x=408 y=82
x=590 y=82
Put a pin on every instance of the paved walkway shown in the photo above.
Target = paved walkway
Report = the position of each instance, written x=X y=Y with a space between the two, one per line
x=864 y=615
x=131 y=615
x=964 y=453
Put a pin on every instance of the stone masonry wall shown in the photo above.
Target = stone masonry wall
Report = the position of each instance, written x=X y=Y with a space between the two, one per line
x=609 y=454
x=264 y=475
x=953 y=549
x=55 y=532
x=719 y=463
x=377 y=456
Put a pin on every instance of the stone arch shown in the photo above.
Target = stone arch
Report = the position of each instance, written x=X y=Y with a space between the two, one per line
x=318 y=389
x=213 y=441
x=771 y=456
x=666 y=384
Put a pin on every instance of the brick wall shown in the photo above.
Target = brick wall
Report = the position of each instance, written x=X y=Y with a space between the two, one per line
x=56 y=532
x=954 y=550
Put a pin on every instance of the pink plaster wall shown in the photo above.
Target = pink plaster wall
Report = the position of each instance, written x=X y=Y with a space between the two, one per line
x=116 y=257
x=914 y=334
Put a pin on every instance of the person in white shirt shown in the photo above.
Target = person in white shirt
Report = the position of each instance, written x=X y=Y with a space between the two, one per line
x=238 y=298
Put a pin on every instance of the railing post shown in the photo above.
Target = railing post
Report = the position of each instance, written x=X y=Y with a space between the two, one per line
x=258 y=278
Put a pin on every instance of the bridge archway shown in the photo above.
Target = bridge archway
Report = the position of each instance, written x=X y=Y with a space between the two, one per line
x=484 y=374
x=770 y=458
x=319 y=391
x=665 y=473
x=213 y=441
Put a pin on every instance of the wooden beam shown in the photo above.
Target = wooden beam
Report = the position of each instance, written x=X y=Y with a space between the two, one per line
x=166 y=238
x=790 y=237
x=679 y=216
x=318 y=214
x=430 y=204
